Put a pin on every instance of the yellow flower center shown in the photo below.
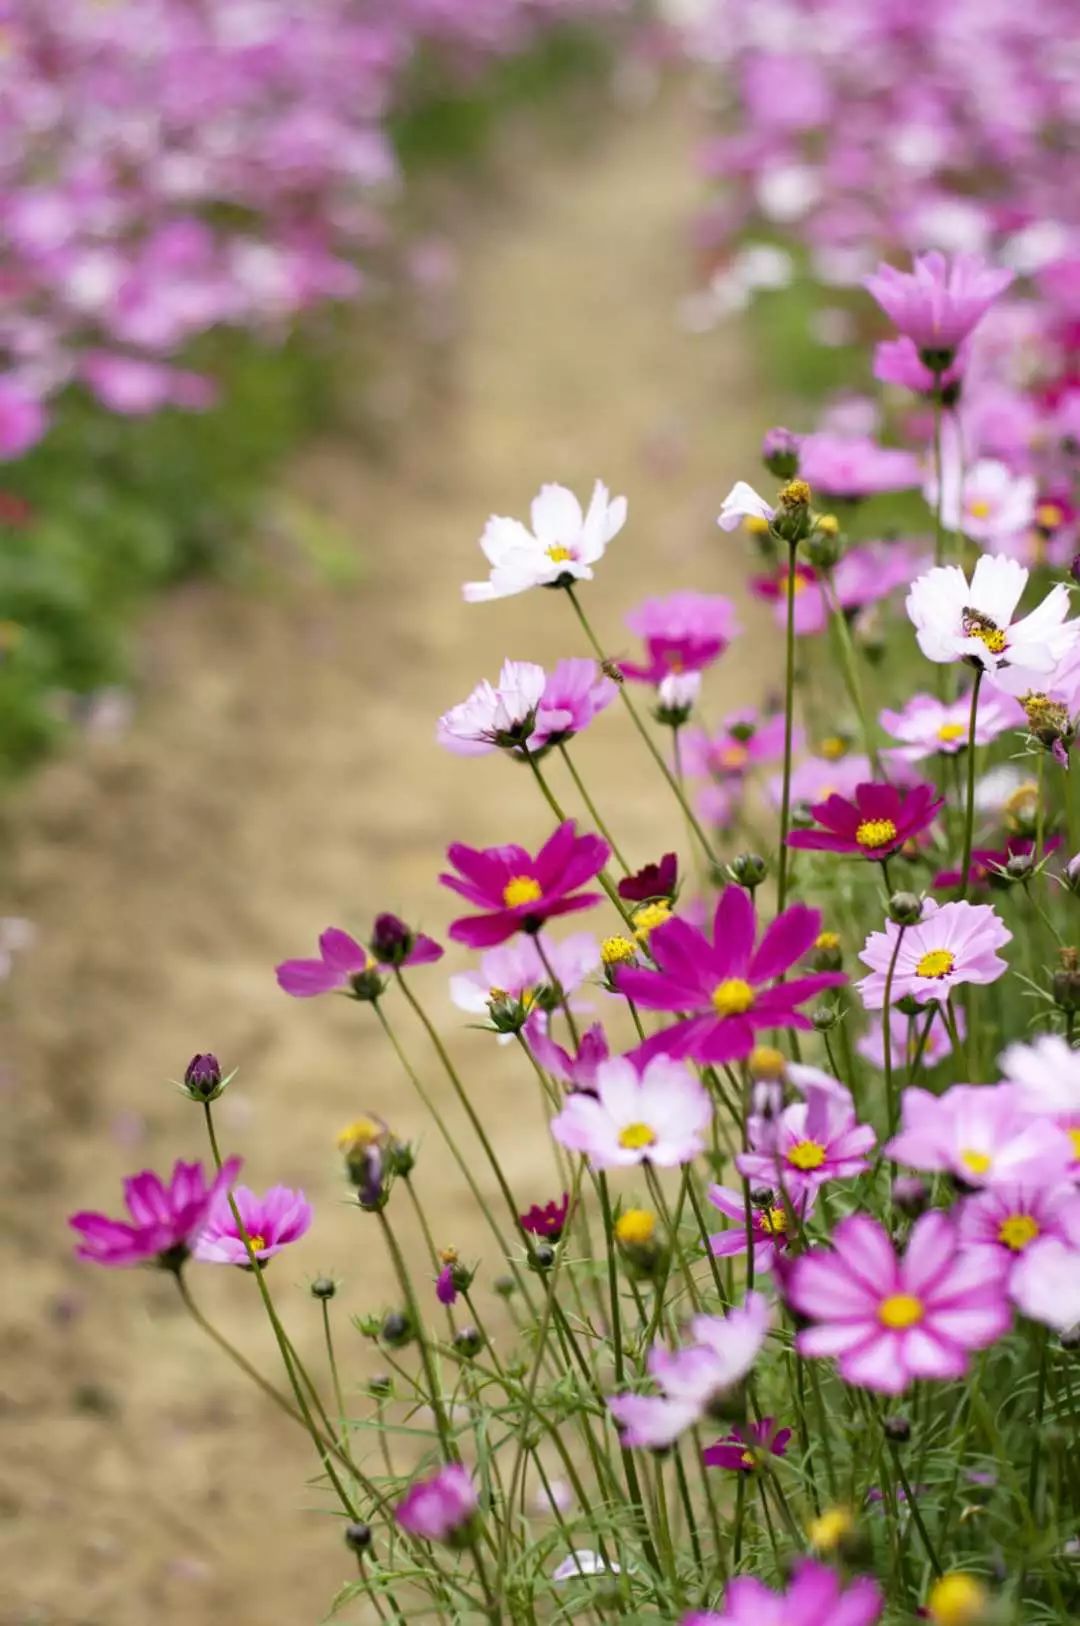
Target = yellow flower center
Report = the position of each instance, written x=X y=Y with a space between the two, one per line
x=258 y=1242
x=558 y=554
x=979 y=508
x=734 y=756
x=875 y=833
x=900 y=1310
x=992 y=637
x=1074 y=1136
x=755 y=524
x=828 y=1530
x=635 y=1228
x=1017 y=1231
x=796 y=494
x=617 y=950
x=833 y=748
x=748 y=1459
x=937 y=963
x=806 y=1154
x=1049 y=516
x=636 y=1136
x=957 y=1600
x=949 y=733
x=649 y=916
x=827 y=942
x=976 y=1162
x=521 y=889
x=773 y=1221
x=732 y=997
x=767 y=1063
x=828 y=524
x=360 y=1133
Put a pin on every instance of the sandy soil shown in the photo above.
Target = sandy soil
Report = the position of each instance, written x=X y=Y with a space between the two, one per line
x=281 y=776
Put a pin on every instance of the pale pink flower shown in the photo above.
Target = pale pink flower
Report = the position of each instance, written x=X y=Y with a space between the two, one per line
x=953 y=943
x=658 y=1116
x=981 y=1133
x=938 y=303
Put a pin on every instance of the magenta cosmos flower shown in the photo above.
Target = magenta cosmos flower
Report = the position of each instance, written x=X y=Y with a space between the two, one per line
x=517 y=892
x=684 y=632
x=547 y=1220
x=770 y=1226
x=440 y=1507
x=889 y=1320
x=722 y=985
x=165 y=1219
x=983 y=1134
x=741 y=1450
x=953 y=943
x=848 y=468
x=897 y=361
x=744 y=741
x=878 y=822
x=659 y=1116
x=691 y=1379
x=343 y=962
x=1010 y=1218
x=272 y=1221
x=938 y=303
x=810 y=1143
x=816 y=1596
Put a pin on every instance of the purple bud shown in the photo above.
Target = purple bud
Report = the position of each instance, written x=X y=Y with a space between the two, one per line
x=445 y=1286
x=1074 y=568
x=780 y=453
x=202 y=1076
x=391 y=940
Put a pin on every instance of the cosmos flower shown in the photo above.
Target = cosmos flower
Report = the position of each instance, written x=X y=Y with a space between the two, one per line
x=937 y=1045
x=165 y=1220
x=722 y=1351
x=1046 y=1077
x=517 y=892
x=660 y=880
x=494 y=716
x=743 y=741
x=439 y=1507
x=953 y=943
x=1011 y=1218
x=987 y=502
x=888 y=1319
x=878 y=822
x=741 y=1450
x=815 y=1596
x=721 y=986
x=515 y=975
x=579 y=1071
x=548 y=1220
x=659 y=1116
x=819 y=777
x=684 y=632
x=956 y=620
x=575 y=692
x=927 y=726
x=981 y=1133
x=271 y=1221
x=562 y=546
x=1046 y=1284
x=742 y=502
x=811 y=1142
x=848 y=468
x=771 y=1227
x=938 y=302
x=897 y=361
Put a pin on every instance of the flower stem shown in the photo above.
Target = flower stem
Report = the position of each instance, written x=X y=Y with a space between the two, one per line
x=789 y=729
x=886 y=1032
x=969 y=812
x=590 y=804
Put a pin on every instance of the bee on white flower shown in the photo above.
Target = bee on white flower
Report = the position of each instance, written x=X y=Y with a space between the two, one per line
x=958 y=620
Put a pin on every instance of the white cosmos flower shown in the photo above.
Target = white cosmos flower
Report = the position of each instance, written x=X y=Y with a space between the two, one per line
x=583 y=1563
x=493 y=712
x=1046 y=1283
x=563 y=542
x=742 y=502
x=956 y=620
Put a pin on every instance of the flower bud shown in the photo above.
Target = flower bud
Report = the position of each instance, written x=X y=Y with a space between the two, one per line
x=905 y=909
x=391 y=940
x=323 y=1287
x=468 y=1341
x=1066 y=980
x=791 y=522
x=1071 y=875
x=780 y=453
x=202 y=1077
x=358 y=1537
x=504 y=1286
x=910 y=1194
x=824 y=1016
x=676 y=698
x=400 y=1157
x=1070 y=1338
x=897 y=1430
x=381 y=1386
x=397 y=1329
x=749 y=870
x=766 y=1065
x=826 y=955
x=823 y=548
x=763 y=1196
x=1020 y=866
x=1074 y=567
x=542 y=1256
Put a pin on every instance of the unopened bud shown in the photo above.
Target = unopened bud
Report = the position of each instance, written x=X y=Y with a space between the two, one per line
x=823 y=548
x=504 y=1286
x=1020 y=866
x=897 y=1430
x=203 y=1080
x=323 y=1287
x=542 y=1256
x=1066 y=981
x=397 y=1329
x=905 y=909
x=358 y=1537
x=824 y=1017
x=910 y=1194
x=780 y=453
x=381 y=1385
x=749 y=870
x=468 y=1341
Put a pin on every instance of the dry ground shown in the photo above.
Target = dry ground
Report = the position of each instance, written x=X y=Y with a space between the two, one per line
x=282 y=775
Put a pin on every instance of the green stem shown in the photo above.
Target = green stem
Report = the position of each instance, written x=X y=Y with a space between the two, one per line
x=886 y=1033
x=401 y=1271
x=789 y=729
x=969 y=810
x=594 y=815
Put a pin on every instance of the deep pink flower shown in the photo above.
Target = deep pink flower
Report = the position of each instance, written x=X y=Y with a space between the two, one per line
x=517 y=892
x=878 y=822
x=987 y=863
x=652 y=881
x=342 y=962
x=575 y=691
x=770 y=1227
x=440 y=1507
x=721 y=987
x=815 y=1596
x=446 y=1290
x=395 y=944
x=165 y=1219
x=548 y=1221
x=739 y=1450
x=272 y=1221
x=845 y=467
x=937 y=304
x=684 y=632
x=890 y=1320
x=897 y=361
x=579 y=1072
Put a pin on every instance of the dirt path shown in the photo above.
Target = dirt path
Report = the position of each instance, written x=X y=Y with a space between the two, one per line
x=281 y=776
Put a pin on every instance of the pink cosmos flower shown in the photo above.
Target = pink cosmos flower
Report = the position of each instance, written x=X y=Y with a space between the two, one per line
x=1046 y=1077
x=658 y=1116
x=988 y=503
x=22 y=420
x=953 y=943
x=575 y=692
x=981 y=1133
x=739 y=1450
x=342 y=962
x=1046 y=1284
x=691 y=1379
x=770 y=1226
x=578 y=1072
x=440 y=1507
x=849 y=468
x=865 y=575
x=684 y=632
x=927 y=726
x=1010 y=1219
x=517 y=892
x=743 y=741
x=811 y=1142
x=272 y=1221
x=890 y=1320
x=515 y=974
x=878 y=822
x=815 y=1596
x=527 y=706
x=897 y=361
x=721 y=986
x=818 y=778
x=937 y=1046
x=165 y=1219
x=937 y=303
x=987 y=863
